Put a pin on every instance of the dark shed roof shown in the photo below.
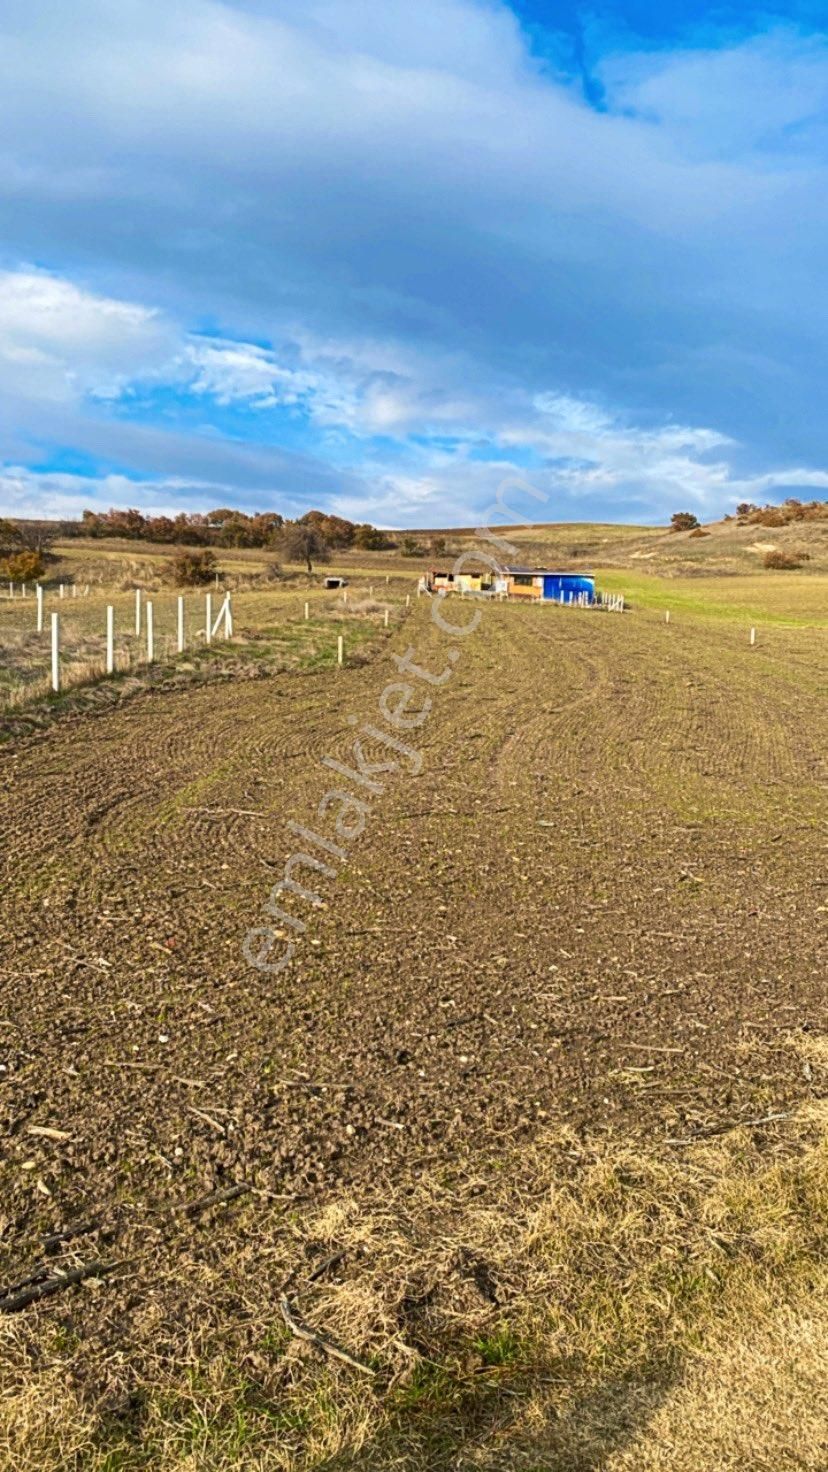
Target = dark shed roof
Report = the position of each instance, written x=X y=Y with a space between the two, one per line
x=546 y=572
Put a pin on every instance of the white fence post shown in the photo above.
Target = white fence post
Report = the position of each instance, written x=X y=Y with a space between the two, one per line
x=667 y=616
x=56 y=652
x=39 y=609
x=385 y=620
x=137 y=611
x=753 y=636
x=408 y=600
x=61 y=590
x=208 y=618
x=225 y=615
x=74 y=590
x=150 y=635
x=181 y=623
x=110 y=639
x=340 y=649
x=222 y=614
x=307 y=612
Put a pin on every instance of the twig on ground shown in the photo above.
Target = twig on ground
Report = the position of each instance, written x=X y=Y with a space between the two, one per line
x=207 y=1118
x=326 y=1264
x=32 y=1291
x=213 y=1198
x=68 y=1234
x=732 y=1124
x=302 y=1330
x=99 y=965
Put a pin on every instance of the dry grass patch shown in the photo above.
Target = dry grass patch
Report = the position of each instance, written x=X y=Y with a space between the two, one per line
x=569 y=1307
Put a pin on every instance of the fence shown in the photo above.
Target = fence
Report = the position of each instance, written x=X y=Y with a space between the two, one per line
x=139 y=643
x=144 y=622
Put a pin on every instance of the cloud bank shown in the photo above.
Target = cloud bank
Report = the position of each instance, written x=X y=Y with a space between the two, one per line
x=380 y=258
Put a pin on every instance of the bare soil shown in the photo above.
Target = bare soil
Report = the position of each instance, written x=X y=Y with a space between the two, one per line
x=598 y=911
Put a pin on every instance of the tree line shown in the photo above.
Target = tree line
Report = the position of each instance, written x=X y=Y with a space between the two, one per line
x=226 y=527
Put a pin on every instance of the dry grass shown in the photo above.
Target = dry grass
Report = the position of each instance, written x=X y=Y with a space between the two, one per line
x=569 y=1307
x=268 y=617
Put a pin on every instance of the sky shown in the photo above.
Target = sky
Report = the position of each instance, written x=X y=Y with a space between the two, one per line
x=406 y=262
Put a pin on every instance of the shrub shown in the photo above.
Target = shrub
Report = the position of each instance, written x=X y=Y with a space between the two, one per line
x=699 y=531
x=191 y=568
x=782 y=560
x=24 y=567
x=683 y=521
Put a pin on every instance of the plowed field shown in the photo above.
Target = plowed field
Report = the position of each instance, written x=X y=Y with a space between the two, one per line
x=588 y=900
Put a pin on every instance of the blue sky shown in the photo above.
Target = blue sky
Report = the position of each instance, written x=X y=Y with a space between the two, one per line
x=387 y=259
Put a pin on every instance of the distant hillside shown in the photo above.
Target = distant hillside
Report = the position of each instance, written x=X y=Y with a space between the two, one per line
x=730 y=546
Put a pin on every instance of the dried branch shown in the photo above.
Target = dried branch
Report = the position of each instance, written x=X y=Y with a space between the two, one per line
x=32 y=1291
x=302 y=1330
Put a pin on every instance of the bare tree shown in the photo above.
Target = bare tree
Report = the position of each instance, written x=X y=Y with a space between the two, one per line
x=302 y=542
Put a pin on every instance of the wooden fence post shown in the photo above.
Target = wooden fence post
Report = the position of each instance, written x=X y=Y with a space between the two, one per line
x=56 y=652
x=110 y=639
x=208 y=618
x=340 y=649
x=39 y=608
x=137 y=611
x=150 y=635
x=386 y=618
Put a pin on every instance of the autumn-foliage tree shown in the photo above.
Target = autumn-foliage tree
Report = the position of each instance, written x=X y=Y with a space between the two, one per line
x=683 y=521
x=791 y=510
x=24 y=547
x=227 y=527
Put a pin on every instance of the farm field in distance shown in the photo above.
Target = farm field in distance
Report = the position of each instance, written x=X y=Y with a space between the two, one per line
x=532 y=1129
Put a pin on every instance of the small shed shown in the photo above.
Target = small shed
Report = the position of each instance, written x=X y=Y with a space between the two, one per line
x=545 y=585
x=460 y=582
x=335 y=582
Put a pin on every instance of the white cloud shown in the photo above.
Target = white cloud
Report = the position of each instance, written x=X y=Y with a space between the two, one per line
x=456 y=438
x=62 y=496
x=58 y=341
